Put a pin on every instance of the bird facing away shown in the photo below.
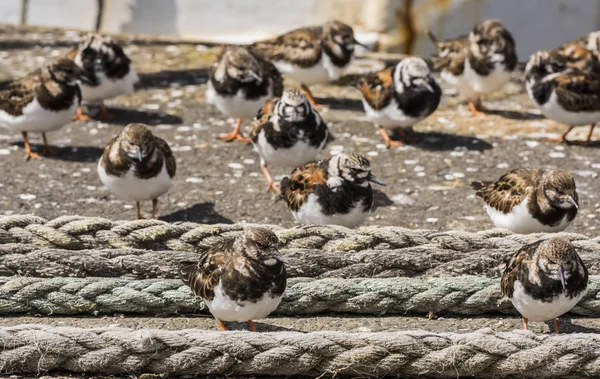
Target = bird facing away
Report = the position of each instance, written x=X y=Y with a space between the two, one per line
x=531 y=200
x=108 y=68
x=544 y=280
x=137 y=166
x=564 y=94
x=287 y=131
x=42 y=101
x=479 y=63
x=240 y=281
x=239 y=85
x=334 y=191
x=311 y=55
x=399 y=97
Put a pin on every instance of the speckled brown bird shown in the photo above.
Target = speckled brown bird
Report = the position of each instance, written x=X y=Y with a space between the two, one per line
x=240 y=281
x=545 y=280
x=399 y=96
x=240 y=84
x=108 y=68
x=137 y=166
x=334 y=191
x=311 y=55
x=531 y=200
x=479 y=63
x=43 y=101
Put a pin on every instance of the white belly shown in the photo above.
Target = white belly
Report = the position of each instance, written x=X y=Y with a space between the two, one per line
x=554 y=111
x=323 y=72
x=295 y=156
x=37 y=119
x=390 y=116
x=109 y=88
x=224 y=308
x=519 y=220
x=311 y=213
x=131 y=188
x=536 y=310
x=235 y=106
x=494 y=81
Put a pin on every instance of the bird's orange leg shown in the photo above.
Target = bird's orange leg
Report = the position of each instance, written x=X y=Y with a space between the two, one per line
x=525 y=323
x=154 y=207
x=221 y=325
x=235 y=134
x=476 y=108
x=309 y=96
x=388 y=141
x=104 y=115
x=270 y=183
x=562 y=138
x=589 y=136
x=47 y=150
x=252 y=327
x=28 y=153
x=138 y=211
x=555 y=325
x=80 y=115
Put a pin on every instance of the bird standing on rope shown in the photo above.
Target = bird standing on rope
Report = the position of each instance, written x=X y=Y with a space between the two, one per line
x=545 y=280
x=240 y=281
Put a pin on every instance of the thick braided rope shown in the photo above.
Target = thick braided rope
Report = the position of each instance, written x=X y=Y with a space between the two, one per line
x=39 y=348
x=466 y=295
x=368 y=251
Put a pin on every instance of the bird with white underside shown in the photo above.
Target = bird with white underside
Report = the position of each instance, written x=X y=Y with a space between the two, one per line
x=137 y=166
x=241 y=280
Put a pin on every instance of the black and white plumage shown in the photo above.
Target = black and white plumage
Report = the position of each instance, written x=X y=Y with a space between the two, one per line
x=545 y=280
x=400 y=96
x=564 y=94
x=287 y=131
x=240 y=281
x=137 y=166
x=108 y=68
x=477 y=64
x=334 y=191
x=531 y=200
x=311 y=55
x=240 y=84
x=43 y=101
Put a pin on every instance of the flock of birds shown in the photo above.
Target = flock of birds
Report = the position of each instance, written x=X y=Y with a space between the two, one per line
x=245 y=279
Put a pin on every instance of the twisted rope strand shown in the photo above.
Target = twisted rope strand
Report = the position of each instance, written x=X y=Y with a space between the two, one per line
x=35 y=348
x=467 y=295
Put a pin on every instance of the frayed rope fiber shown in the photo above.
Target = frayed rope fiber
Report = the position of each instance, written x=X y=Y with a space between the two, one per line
x=484 y=354
x=467 y=295
x=89 y=246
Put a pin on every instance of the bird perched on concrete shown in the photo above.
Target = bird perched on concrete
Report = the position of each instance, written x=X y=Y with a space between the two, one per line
x=311 y=55
x=108 y=68
x=531 y=200
x=400 y=96
x=240 y=281
x=287 y=131
x=43 y=101
x=563 y=93
x=545 y=280
x=240 y=84
x=137 y=166
x=477 y=64
x=334 y=191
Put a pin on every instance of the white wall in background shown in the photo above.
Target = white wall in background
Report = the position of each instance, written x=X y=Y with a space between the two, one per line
x=77 y=14
x=10 y=11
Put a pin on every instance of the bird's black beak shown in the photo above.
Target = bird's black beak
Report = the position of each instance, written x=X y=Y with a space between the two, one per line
x=561 y=273
x=84 y=78
x=140 y=156
x=372 y=178
x=354 y=41
x=572 y=201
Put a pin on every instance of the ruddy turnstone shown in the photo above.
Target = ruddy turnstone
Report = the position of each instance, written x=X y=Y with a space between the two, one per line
x=240 y=281
x=530 y=200
x=137 y=166
x=287 y=131
x=108 y=68
x=478 y=64
x=240 y=84
x=563 y=94
x=545 y=280
x=42 y=102
x=400 y=96
x=311 y=55
x=334 y=191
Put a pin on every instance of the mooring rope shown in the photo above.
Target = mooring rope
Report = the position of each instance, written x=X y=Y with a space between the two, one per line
x=468 y=295
x=41 y=348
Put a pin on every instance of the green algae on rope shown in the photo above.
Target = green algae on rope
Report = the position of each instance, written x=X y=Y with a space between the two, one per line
x=32 y=349
x=466 y=295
